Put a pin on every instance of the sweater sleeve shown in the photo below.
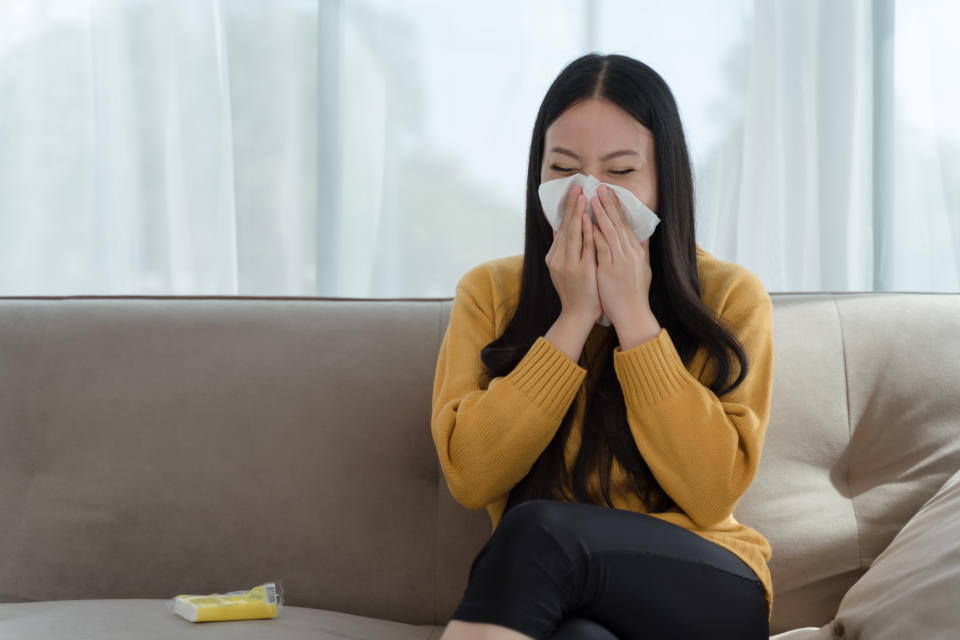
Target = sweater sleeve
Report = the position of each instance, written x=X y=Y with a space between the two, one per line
x=703 y=450
x=489 y=434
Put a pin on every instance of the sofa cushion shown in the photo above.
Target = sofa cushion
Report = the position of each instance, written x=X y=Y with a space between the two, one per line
x=150 y=619
x=912 y=590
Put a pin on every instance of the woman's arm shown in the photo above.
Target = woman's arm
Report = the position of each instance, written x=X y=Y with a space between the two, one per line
x=704 y=451
x=489 y=435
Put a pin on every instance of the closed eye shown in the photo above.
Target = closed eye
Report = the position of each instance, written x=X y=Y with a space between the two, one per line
x=619 y=173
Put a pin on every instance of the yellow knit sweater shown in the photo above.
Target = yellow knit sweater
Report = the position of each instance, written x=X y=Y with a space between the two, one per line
x=703 y=450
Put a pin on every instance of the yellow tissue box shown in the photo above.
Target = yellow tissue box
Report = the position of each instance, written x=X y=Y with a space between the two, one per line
x=263 y=601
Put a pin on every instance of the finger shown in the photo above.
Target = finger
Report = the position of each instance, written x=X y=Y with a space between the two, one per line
x=570 y=205
x=606 y=227
x=612 y=205
x=575 y=231
x=629 y=239
x=619 y=219
x=589 y=250
x=603 y=249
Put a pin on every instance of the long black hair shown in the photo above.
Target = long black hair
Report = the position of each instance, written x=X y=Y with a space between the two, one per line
x=674 y=290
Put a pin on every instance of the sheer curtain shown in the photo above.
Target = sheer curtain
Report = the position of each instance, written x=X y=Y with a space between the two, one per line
x=371 y=148
x=154 y=147
x=842 y=171
x=789 y=192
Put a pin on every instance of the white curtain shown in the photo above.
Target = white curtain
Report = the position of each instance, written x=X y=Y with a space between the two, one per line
x=922 y=248
x=789 y=193
x=370 y=148
x=155 y=147
x=842 y=174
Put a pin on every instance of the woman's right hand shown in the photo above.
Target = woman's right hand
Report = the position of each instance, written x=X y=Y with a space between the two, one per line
x=572 y=260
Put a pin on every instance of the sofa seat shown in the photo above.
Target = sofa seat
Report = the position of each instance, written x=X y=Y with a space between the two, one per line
x=114 y=619
x=109 y=619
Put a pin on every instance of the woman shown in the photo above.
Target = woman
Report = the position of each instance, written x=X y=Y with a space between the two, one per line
x=609 y=458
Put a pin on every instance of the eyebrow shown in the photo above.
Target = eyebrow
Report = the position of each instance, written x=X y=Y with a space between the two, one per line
x=614 y=154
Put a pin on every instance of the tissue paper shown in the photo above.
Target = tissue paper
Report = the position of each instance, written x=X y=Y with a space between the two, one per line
x=553 y=193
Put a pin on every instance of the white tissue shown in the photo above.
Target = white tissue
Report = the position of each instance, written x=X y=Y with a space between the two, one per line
x=643 y=222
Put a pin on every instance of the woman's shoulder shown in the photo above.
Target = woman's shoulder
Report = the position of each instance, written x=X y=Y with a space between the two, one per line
x=494 y=287
x=727 y=287
x=494 y=278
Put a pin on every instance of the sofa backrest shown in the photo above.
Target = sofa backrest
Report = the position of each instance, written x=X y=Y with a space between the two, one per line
x=864 y=428
x=165 y=445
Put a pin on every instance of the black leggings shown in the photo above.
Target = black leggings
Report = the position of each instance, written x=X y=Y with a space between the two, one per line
x=571 y=570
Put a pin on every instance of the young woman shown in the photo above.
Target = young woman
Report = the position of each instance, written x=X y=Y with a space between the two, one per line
x=609 y=458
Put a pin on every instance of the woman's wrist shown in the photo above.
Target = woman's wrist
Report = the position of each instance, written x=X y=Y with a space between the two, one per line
x=569 y=333
x=637 y=328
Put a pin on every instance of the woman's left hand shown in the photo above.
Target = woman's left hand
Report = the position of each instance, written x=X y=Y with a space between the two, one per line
x=623 y=267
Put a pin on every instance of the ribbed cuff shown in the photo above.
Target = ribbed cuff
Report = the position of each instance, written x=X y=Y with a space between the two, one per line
x=548 y=377
x=650 y=372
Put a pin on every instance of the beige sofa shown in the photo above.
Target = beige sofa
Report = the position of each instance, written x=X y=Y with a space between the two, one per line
x=153 y=446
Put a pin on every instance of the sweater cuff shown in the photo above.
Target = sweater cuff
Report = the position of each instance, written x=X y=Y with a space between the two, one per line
x=547 y=377
x=650 y=372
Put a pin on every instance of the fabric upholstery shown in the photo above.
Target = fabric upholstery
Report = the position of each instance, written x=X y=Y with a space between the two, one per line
x=912 y=589
x=164 y=445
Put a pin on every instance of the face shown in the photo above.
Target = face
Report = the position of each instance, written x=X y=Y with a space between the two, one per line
x=588 y=137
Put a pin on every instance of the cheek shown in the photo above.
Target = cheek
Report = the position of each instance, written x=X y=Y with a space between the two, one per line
x=646 y=193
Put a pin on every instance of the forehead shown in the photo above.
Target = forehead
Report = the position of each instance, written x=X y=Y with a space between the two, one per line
x=597 y=124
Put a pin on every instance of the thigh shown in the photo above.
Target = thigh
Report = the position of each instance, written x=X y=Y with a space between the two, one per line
x=583 y=529
x=643 y=577
x=519 y=578
x=636 y=575
x=637 y=595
